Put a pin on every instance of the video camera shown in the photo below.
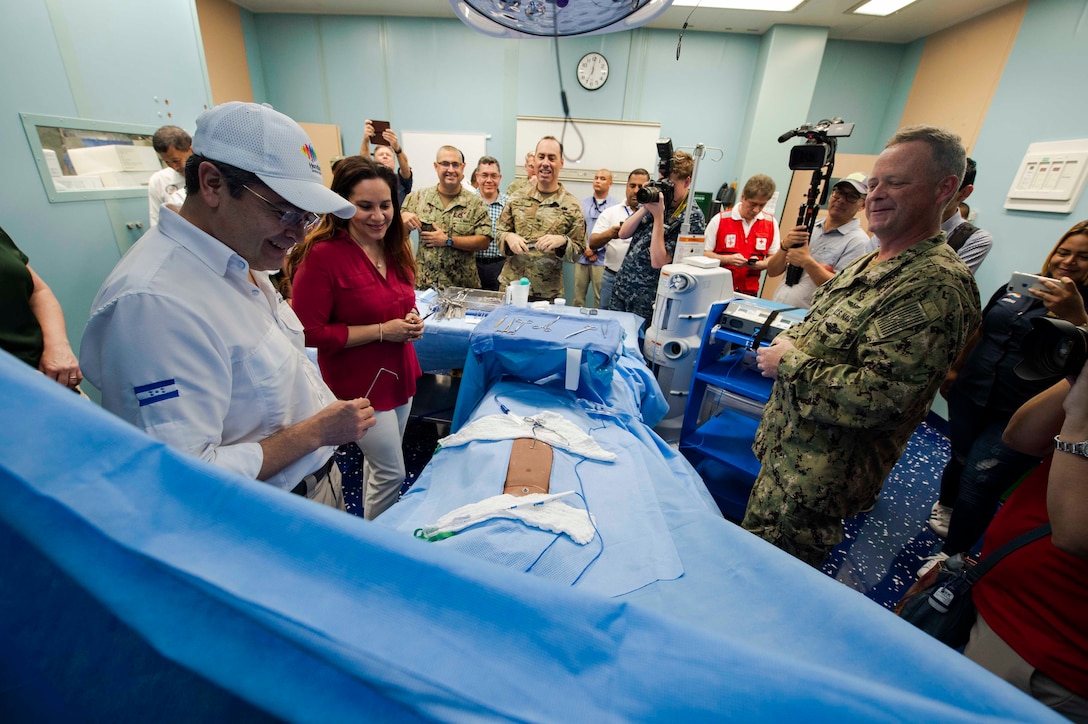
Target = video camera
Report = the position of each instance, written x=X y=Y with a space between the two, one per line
x=663 y=185
x=818 y=150
x=1052 y=349
x=815 y=154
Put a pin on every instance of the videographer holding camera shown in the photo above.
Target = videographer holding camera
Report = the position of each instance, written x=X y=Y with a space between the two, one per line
x=743 y=238
x=654 y=229
x=837 y=240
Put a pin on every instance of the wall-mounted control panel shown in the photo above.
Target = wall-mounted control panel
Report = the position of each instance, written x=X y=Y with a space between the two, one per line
x=1050 y=178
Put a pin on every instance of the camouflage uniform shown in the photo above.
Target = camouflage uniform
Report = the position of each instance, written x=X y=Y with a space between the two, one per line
x=518 y=185
x=635 y=288
x=870 y=356
x=531 y=215
x=466 y=215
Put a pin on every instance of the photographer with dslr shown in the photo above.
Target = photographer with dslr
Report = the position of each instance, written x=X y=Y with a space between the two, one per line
x=744 y=238
x=984 y=390
x=654 y=229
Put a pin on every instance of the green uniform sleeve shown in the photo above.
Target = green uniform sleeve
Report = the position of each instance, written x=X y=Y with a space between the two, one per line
x=863 y=372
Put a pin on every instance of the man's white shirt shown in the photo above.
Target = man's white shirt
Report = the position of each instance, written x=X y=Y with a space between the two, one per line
x=616 y=249
x=185 y=347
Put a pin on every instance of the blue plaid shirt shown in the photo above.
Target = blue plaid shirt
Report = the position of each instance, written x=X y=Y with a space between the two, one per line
x=493 y=210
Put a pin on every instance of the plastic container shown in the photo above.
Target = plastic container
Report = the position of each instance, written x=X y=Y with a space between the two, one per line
x=517 y=293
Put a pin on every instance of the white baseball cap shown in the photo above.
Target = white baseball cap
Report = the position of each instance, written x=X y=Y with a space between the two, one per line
x=263 y=141
x=857 y=181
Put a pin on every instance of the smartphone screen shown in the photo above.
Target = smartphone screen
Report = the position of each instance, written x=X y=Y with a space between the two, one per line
x=425 y=226
x=380 y=127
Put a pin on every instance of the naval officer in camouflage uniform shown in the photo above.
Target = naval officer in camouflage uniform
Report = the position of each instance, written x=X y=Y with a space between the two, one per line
x=447 y=254
x=541 y=227
x=856 y=378
x=654 y=231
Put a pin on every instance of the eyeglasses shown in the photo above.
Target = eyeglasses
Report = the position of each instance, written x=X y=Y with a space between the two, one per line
x=288 y=219
x=450 y=164
x=488 y=175
x=850 y=196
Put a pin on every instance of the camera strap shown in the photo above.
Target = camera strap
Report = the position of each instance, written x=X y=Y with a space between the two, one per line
x=761 y=333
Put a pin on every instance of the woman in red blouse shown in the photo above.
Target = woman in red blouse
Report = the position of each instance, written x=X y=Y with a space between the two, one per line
x=354 y=292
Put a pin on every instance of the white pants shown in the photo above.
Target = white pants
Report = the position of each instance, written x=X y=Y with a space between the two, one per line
x=383 y=464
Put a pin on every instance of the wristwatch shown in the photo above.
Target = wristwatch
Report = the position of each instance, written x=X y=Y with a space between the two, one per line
x=449 y=241
x=1073 y=448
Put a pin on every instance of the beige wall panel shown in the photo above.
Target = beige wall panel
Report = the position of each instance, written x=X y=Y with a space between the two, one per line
x=845 y=164
x=327 y=145
x=959 y=72
x=224 y=50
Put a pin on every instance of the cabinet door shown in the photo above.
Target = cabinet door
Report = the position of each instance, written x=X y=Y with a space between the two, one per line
x=140 y=62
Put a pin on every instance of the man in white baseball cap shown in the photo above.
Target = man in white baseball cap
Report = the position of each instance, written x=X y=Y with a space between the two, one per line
x=189 y=340
x=837 y=240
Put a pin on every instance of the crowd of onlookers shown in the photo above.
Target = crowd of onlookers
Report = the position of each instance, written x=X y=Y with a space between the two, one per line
x=189 y=340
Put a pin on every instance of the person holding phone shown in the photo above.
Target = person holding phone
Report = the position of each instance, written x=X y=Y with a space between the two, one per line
x=984 y=391
x=744 y=239
x=353 y=292
x=389 y=153
x=453 y=225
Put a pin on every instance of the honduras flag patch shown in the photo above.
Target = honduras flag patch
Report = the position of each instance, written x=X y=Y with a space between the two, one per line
x=156 y=392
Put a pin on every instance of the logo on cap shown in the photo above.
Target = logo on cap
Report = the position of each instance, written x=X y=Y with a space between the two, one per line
x=308 y=151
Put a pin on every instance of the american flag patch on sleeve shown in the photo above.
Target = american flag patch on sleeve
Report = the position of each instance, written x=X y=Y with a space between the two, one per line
x=156 y=392
x=902 y=318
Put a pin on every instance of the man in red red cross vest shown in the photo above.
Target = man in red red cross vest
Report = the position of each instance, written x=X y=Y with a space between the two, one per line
x=742 y=238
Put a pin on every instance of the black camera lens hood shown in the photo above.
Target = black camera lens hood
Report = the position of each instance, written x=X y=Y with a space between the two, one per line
x=1041 y=357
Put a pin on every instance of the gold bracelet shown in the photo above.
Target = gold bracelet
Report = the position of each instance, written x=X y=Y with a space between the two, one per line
x=381 y=335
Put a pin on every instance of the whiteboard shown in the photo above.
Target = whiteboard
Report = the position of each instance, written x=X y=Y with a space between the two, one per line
x=422 y=147
x=619 y=146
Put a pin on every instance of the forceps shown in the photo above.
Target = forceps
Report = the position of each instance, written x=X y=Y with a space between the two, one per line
x=586 y=328
x=546 y=327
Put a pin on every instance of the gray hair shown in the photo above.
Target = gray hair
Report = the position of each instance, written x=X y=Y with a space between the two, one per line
x=946 y=148
x=488 y=160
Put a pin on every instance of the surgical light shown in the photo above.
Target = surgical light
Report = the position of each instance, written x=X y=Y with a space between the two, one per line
x=549 y=18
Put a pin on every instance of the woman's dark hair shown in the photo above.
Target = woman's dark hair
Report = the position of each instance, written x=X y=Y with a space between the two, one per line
x=349 y=172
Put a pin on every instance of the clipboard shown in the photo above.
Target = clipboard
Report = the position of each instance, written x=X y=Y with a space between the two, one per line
x=380 y=127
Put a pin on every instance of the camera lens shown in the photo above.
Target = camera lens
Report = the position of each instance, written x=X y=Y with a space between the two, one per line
x=1053 y=348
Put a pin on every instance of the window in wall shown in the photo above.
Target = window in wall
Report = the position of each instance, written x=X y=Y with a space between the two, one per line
x=80 y=159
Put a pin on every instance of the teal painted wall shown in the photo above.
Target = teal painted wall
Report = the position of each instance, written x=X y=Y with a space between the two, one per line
x=853 y=84
x=333 y=69
x=1040 y=98
x=782 y=89
x=112 y=60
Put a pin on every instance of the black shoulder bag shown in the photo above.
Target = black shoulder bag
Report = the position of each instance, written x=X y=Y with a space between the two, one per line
x=940 y=602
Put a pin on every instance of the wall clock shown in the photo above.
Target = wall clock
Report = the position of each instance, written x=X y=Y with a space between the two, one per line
x=592 y=71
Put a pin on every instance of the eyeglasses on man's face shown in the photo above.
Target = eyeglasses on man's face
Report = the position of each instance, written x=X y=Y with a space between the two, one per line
x=292 y=218
x=851 y=196
x=450 y=164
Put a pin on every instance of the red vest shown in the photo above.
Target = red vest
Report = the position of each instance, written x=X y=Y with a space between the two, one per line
x=731 y=240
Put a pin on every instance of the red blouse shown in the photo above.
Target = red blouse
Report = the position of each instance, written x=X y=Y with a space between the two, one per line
x=1035 y=598
x=336 y=286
